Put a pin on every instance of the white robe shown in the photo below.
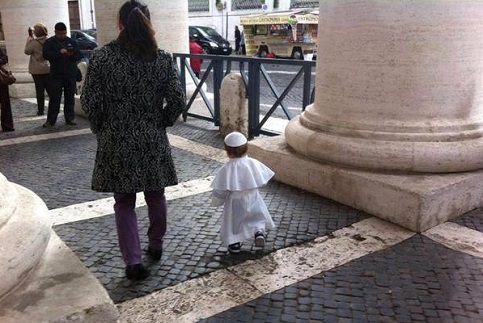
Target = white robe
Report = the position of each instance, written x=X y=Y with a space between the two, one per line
x=236 y=187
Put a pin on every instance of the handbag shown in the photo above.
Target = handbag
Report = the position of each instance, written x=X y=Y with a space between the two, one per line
x=6 y=77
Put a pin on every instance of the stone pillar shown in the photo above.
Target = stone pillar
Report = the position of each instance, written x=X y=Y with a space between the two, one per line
x=398 y=87
x=166 y=17
x=396 y=128
x=17 y=16
x=37 y=267
x=169 y=19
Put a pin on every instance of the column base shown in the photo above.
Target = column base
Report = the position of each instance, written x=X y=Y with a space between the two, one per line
x=60 y=289
x=22 y=90
x=417 y=202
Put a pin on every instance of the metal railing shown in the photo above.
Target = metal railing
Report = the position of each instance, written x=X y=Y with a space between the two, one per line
x=252 y=70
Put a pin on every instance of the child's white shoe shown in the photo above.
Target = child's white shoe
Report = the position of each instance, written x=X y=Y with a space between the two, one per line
x=259 y=239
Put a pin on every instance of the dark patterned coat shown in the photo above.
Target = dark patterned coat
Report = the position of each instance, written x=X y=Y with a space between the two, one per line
x=123 y=97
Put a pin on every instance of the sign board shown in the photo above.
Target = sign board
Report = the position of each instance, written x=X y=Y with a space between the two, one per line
x=278 y=19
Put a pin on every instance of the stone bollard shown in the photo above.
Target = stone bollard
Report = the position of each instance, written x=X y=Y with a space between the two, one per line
x=77 y=105
x=82 y=65
x=234 y=107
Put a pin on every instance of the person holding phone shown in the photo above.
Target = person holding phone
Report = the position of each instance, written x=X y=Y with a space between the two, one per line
x=38 y=66
x=63 y=53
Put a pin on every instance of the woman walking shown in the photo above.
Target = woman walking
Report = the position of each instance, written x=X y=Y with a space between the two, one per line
x=131 y=94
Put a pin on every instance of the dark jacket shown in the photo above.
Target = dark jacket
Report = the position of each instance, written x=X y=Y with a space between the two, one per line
x=3 y=57
x=129 y=103
x=237 y=36
x=62 y=65
x=195 y=63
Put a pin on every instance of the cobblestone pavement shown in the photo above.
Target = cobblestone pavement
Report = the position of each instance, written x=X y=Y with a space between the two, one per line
x=415 y=280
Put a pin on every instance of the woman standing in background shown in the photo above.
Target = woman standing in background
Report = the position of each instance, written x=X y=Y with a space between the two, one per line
x=38 y=66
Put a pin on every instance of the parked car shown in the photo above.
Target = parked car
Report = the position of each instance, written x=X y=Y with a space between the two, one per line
x=85 y=41
x=91 y=32
x=210 y=40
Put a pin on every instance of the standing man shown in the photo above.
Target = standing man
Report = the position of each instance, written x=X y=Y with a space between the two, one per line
x=63 y=53
x=237 y=40
x=242 y=44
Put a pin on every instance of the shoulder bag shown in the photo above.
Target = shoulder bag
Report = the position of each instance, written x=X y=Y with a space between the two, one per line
x=6 y=76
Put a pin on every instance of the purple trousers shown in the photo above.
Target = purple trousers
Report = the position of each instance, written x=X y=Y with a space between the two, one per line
x=127 y=224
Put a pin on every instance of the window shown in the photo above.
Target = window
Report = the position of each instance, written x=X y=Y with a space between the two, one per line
x=279 y=30
x=260 y=29
x=304 y=4
x=246 y=4
x=198 y=5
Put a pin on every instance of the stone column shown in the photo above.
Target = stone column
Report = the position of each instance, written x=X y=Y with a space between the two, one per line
x=17 y=16
x=169 y=19
x=24 y=232
x=37 y=267
x=396 y=128
x=399 y=87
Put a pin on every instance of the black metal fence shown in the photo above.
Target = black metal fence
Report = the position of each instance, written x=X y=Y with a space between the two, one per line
x=252 y=70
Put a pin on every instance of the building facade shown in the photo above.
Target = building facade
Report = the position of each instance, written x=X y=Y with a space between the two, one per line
x=225 y=15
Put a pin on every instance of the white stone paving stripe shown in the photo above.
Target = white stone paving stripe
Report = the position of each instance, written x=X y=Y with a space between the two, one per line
x=219 y=291
x=197 y=148
x=290 y=265
x=457 y=237
x=34 y=100
x=102 y=207
x=176 y=141
x=46 y=136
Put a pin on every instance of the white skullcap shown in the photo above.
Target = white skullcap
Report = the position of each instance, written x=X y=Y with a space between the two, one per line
x=235 y=139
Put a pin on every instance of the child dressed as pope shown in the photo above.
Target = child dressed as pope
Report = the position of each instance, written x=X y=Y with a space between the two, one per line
x=235 y=186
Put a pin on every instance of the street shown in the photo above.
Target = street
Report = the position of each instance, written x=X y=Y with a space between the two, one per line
x=281 y=76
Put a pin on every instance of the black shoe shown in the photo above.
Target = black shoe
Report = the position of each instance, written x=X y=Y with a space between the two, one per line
x=234 y=248
x=155 y=253
x=40 y=113
x=136 y=272
x=8 y=129
x=71 y=123
x=47 y=125
x=259 y=239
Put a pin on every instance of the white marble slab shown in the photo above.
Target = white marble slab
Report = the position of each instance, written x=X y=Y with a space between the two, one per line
x=458 y=238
